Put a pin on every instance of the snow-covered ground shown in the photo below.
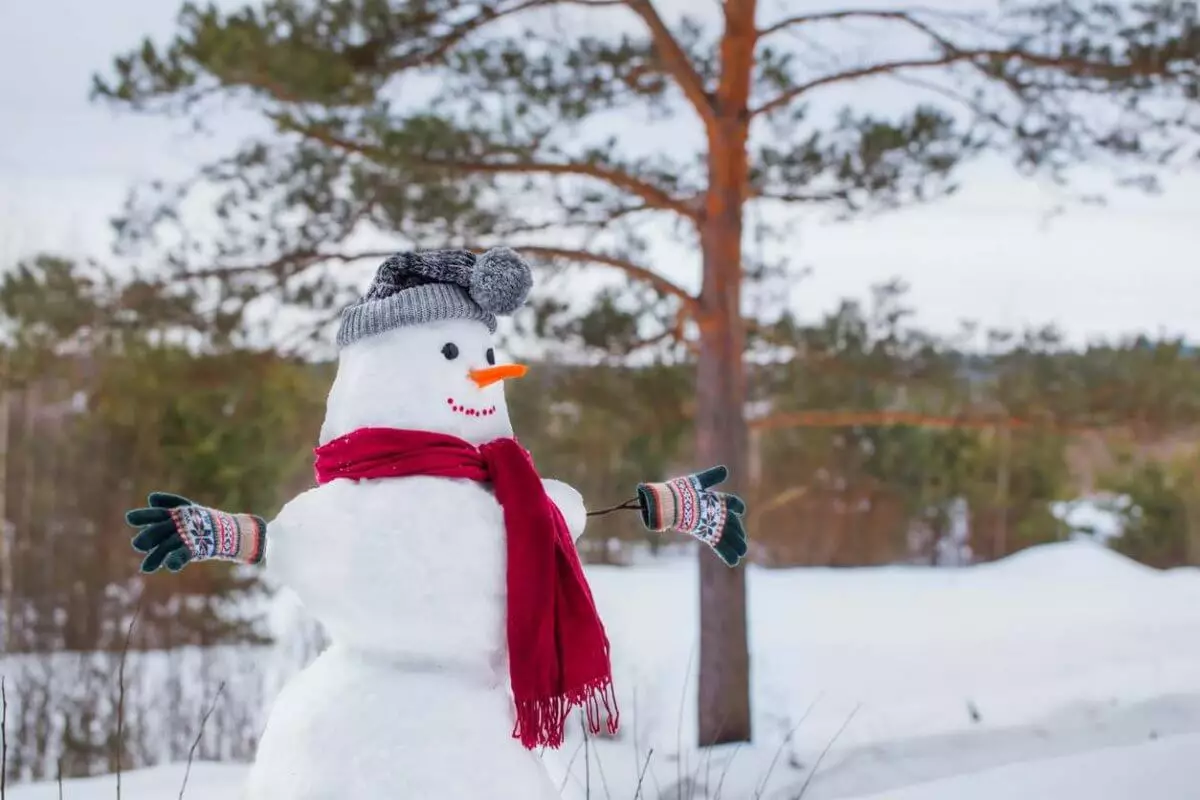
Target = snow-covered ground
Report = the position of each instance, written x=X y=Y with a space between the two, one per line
x=1163 y=769
x=1064 y=671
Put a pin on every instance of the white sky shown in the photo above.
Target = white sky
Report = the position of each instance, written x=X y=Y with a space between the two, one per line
x=988 y=255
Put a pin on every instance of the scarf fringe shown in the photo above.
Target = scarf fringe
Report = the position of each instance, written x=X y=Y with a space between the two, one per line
x=541 y=722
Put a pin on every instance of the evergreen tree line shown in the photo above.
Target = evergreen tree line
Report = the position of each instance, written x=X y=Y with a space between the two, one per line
x=873 y=442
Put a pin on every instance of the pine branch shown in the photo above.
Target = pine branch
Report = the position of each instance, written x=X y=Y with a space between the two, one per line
x=984 y=59
x=863 y=13
x=591 y=224
x=286 y=266
x=971 y=104
x=653 y=196
x=786 y=98
x=676 y=61
x=368 y=56
x=307 y=258
x=811 y=198
x=458 y=33
x=486 y=16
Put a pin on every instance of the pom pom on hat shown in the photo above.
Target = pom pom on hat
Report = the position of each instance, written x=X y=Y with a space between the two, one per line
x=500 y=281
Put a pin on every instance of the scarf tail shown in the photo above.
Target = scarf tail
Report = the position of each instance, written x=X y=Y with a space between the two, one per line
x=541 y=722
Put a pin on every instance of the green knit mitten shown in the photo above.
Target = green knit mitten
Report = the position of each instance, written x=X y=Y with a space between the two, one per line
x=175 y=531
x=688 y=505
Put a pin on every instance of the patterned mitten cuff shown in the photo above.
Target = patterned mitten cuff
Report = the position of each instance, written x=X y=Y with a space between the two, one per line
x=175 y=531
x=687 y=505
x=210 y=534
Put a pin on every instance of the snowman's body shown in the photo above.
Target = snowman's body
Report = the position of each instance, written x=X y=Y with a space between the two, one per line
x=350 y=729
x=407 y=576
x=411 y=700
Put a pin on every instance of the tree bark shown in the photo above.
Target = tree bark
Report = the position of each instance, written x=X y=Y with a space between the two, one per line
x=724 y=664
x=721 y=430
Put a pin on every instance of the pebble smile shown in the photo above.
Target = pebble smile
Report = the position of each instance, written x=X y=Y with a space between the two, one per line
x=469 y=412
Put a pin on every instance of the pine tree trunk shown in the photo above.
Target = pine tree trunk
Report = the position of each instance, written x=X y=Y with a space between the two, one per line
x=722 y=436
x=724 y=665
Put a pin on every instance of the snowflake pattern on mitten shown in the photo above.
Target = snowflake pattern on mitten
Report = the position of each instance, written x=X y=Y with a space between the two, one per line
x=173 y=532
x=689 y=505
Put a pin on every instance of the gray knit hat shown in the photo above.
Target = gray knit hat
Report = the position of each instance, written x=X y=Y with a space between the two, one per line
x=417 y=287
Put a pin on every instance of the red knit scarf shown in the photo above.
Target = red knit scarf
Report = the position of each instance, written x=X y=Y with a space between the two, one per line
x=557 y=647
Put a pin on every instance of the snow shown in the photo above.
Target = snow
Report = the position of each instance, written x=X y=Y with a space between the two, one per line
x=1064 y=671
x=1163 y=769
x=206 y=781
x=1055 y=651
x=1095 y=515
x=356 y=725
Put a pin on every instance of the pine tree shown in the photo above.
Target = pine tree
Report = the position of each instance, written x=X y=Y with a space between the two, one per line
x=444 y=123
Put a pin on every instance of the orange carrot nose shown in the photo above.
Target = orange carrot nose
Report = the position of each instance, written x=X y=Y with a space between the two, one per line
x=489 y=375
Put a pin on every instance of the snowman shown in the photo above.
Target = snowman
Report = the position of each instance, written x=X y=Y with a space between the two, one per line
x=441 y=566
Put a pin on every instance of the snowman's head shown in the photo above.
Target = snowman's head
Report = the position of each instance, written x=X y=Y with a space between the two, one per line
x=442 y=376
x=418 y=352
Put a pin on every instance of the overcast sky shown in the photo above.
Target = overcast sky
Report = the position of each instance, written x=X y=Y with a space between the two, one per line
x=988 y=254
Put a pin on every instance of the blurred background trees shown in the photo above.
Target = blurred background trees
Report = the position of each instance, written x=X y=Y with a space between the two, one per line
x=111 y=388
x=873 y=441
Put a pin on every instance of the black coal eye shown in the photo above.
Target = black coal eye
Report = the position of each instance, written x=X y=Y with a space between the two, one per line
x=491 y=356
x=450 y=351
